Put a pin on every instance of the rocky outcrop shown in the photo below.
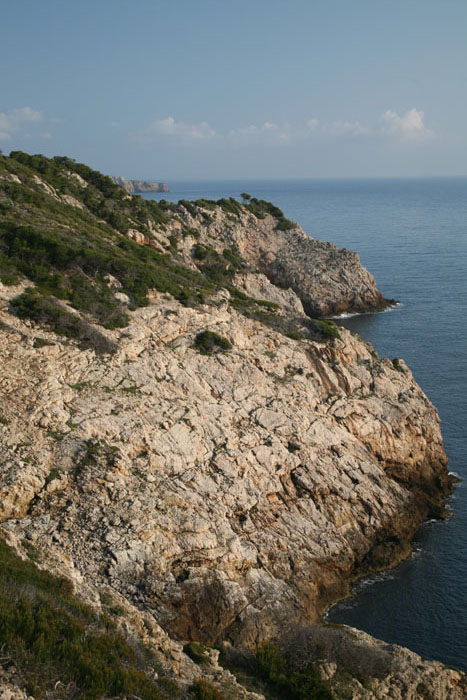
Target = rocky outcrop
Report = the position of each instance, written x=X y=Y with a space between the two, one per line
x=231 y=495
x=140 y=186
x=328 y=280
x=212 y=495
x=371 y=668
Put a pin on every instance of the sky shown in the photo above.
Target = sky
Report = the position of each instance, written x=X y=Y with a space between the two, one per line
x=185 y=89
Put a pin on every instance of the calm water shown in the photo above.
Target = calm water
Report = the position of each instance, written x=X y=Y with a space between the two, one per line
x=412 y=235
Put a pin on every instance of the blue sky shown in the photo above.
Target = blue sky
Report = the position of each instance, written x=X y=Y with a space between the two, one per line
x=186 y=90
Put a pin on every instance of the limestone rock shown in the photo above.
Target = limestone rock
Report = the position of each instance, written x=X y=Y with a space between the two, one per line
x=327 y=280
x=230 y=494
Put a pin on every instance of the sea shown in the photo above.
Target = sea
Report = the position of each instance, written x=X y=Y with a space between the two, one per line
x=411 y=234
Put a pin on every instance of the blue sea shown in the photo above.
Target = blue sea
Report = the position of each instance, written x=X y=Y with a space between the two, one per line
x=412 y=235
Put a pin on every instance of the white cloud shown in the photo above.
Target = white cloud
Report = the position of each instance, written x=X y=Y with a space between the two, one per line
x=346 y=127
x=409 y=126
x=25 y=114
x=313 y=124
x=170 y=127
x=14 y=121
x=266 y=131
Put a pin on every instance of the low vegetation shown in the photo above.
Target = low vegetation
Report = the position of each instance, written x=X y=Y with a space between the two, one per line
x=197 y=652
x=61 y=649
x=260 y=208
x=269 y=673
x=202 y=690
x=209 y=342
x=87 y=274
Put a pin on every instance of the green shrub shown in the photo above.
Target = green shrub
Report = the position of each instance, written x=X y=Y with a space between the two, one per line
x=270 y=662
x=298 y=685
x=230 y=206
x=197 y=652
x=327 y=328
x=209 y=342
x=202 y=690
x=260 y=208
x=49 y=634
x=46 y=309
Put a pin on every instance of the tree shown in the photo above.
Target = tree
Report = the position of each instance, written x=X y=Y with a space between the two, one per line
x=245 y=197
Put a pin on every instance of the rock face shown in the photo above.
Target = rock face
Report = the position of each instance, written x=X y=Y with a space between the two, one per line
x=389 y=671
x=140 y=186
x=223 y=496
x=328 y=280
x=229 y=494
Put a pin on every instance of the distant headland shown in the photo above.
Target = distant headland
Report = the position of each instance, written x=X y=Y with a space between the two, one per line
x=138 y=186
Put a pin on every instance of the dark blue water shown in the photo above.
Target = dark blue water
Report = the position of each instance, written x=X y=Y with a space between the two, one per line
x=412 y=235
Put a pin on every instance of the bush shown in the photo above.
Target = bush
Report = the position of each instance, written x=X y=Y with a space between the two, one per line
x=260 y=208
x=197 y=652
x=202 y=690
x=327 y=328
x=49 y=634
x=209 y=342
x=230 y=206
x=297 y=685
x=47 y=310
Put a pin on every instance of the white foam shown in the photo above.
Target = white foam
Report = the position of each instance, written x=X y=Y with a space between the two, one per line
x=367 y=313
x=458 y=476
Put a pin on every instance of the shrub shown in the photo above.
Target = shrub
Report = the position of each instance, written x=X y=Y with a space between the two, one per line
x=298 y=685
x=270 y=663
x=50 y=634
x=230 y=206
x=197 y=652
x=327 y=328
x=46 y=309
x=202 y=690
x=209 y=342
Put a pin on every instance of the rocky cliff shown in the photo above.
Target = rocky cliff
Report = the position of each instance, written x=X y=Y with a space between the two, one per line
x=140 y=186
x=219 y=476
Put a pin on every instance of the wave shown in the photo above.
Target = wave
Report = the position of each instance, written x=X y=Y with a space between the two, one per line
x=346 y=314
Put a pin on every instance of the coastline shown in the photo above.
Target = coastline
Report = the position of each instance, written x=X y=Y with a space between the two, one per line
x=226 y=490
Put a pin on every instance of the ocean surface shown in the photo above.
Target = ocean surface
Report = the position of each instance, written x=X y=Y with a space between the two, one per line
x=412 y=236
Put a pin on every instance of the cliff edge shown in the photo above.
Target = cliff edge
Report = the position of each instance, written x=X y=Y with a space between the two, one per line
x=181 y=438
x=140 y=186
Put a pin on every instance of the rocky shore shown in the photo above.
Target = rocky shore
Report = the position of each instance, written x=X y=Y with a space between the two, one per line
x=223 y=493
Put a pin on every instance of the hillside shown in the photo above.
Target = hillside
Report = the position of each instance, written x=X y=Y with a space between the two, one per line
x=188 y=442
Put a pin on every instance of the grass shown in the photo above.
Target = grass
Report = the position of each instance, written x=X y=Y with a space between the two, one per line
x=50 y=636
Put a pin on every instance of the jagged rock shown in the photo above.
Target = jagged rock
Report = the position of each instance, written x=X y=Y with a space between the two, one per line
x=372 y=667
x=139 y=186
x=232 y=494
x=258 y=286
x=327 y=280
x=227 y=495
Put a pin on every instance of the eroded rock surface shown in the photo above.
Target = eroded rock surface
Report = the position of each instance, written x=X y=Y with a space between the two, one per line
x=328 y=280
x=229 y=494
